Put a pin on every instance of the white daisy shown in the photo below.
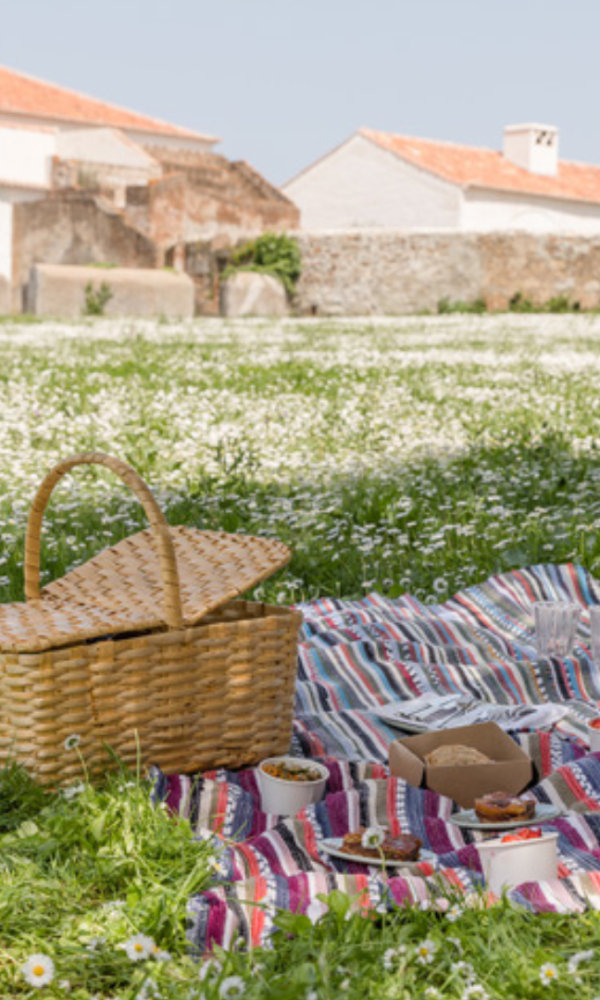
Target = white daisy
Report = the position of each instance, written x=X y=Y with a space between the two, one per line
x=425 y=951
x=210 y=966
x=466 y=969
x=454 y=913
x=372 y=837
x=71 y=791
x=581 y=956
x=162 y=956
x=432 y=993
x=219 y=867
x=390 y=957
x=548 y=973
x=38 y=970
x=95 y=943
x=72 y=742
x=475 y=990
x=315 y=910
x=456 y=942
x=149 y=991
x=232 y=987
x=139 y=947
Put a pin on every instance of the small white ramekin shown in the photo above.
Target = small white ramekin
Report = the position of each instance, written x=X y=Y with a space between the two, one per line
x=286 y=798
x=507 y=865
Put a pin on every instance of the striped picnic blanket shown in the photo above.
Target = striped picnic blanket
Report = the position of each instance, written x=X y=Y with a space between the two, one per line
x=353 y=657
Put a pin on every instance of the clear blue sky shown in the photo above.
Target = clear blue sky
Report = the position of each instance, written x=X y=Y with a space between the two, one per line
x=282 y=82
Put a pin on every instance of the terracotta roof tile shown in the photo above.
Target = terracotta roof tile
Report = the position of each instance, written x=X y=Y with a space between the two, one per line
x=470 y=166
x=24 y=95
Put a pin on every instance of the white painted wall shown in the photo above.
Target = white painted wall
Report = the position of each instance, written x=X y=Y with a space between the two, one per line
x=6 y=214
x=139 y=136
x=25 y=155
x=360 y=185
x=102 y=145
x=171 y=142
x=484 y=210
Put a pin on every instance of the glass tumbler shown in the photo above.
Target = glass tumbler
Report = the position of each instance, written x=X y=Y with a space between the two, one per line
x=595 y=633
x=555 y=627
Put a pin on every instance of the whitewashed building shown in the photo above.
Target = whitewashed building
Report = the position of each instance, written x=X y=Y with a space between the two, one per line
x=378 y=180
x=50 y=135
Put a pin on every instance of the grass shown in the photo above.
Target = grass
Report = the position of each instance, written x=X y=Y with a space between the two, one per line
x=417 y=455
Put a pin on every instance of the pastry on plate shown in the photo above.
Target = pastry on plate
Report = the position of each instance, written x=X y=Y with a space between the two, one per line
x=402 y=848
x=455 y=755
x=500 y=807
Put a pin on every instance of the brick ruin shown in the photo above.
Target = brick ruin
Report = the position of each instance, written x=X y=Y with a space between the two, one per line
x=186 y=211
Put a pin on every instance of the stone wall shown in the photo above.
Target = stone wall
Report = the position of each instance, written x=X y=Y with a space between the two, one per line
x=541 y=267
x=390 y=273
x=72 y=228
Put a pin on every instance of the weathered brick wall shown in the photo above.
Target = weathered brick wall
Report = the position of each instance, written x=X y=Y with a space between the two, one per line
x=388 y=272
x=219 y=201
x=98 y=176
x=67 y=228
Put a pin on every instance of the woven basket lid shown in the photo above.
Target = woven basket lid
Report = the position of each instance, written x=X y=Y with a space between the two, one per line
x=120 y=590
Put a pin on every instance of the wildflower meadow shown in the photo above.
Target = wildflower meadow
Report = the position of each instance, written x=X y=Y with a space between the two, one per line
x=402 y=455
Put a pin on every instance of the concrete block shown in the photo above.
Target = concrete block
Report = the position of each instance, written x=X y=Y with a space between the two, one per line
x=4 y=296
x=59 y=290
x=248 y=293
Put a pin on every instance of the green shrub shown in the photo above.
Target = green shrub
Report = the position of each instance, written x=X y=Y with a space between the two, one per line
x=562 y=304
x=558 y=304
x=519 y=303
x=272 y=253
x=96 y=299
x=447 y=306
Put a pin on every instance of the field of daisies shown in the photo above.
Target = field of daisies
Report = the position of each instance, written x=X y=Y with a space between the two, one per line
x=418 y=454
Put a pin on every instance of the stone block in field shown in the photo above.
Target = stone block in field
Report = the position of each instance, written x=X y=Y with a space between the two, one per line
x=4 y=296
x=60 y=290
x=248 y=293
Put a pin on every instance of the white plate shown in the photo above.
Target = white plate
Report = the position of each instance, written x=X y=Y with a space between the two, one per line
x=420 y=714
x=332 y=846
x=447 y=712
x=467 y=819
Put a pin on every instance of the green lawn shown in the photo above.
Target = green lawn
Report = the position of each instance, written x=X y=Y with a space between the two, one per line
x=419 y=454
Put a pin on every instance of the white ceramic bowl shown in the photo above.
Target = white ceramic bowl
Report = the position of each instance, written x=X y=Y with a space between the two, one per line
x=507 y=865
x=286 y=798
x=593 y=736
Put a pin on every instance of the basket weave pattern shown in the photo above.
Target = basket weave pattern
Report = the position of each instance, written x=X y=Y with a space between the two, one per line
x=203 y=682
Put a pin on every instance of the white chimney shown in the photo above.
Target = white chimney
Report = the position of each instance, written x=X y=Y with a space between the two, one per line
x=533 y=147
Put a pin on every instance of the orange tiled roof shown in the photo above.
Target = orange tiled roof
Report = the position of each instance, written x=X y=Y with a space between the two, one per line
x=24 y=95
x=470 y=166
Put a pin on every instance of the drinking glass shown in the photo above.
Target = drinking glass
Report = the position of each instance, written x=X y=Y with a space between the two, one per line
x=555 y=627
x=595 y=633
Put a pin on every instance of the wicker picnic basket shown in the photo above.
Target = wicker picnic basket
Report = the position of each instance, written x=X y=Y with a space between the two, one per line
x=143 y=650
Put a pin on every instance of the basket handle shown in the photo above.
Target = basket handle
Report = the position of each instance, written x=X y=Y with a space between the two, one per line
x=158 y=524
